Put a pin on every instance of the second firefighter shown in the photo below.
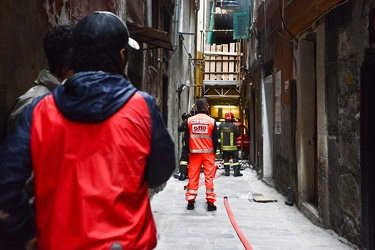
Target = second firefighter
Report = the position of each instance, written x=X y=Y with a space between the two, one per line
x=228 y=133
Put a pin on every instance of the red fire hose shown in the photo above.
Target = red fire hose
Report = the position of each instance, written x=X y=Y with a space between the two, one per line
x=232 y=220
x=236 y=227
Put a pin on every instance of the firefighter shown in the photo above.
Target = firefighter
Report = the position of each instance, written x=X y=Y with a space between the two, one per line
x=228 y=133
x=184 y=159
x=202 y=140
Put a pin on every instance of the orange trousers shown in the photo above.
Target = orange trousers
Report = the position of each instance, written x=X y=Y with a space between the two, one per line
x=209 y=169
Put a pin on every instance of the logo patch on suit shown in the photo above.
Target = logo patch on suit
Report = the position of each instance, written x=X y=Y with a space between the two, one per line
x=200 y=129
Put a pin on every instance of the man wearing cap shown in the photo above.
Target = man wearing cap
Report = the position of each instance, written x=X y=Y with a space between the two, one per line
x=228 y=133
x=201 y=139
x=91 y=172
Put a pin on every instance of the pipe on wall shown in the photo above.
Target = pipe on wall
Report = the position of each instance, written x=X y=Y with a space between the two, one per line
x=149 y=13
x=176 y=25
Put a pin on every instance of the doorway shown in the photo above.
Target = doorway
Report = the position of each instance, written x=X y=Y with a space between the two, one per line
x=306 y=136
x=267 y=122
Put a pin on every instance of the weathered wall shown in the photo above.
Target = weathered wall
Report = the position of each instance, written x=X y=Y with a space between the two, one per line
x=282 y=157
x=22 y=28
x=181 y=69
x=346 y=40
x=21 y=56
x=345 y=37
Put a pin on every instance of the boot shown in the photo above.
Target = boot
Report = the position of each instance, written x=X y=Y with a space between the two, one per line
x=190 y=205
x=183 y=172
x=226 y=168
x=176 y=175
x=211 y=206
x=182 y=177
x=237 y=171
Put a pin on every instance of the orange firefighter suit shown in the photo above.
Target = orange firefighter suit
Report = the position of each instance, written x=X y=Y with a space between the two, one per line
x=202 y=141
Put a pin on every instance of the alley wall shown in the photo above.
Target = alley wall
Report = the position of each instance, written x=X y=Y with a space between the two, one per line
x=22 y=29
x=314 y=51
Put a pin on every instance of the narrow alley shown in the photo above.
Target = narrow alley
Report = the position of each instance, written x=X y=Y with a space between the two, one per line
x=265 y=225
x=297 y=79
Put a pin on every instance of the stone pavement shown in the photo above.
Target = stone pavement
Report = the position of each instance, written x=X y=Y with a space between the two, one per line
x=266 y=226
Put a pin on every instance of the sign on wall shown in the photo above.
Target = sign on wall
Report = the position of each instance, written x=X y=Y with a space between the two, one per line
x=278 y=103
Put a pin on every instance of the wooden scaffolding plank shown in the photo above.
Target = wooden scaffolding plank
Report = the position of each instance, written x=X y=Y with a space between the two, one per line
x=219 y=63
x=238 y=63
x=232 y=48
x=225 y=63
x=207 y=64
x=212 y=64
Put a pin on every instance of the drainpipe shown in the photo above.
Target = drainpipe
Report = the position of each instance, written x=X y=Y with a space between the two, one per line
x=197 y=6
x=149 y=13
x=265 y=20
x=176 y=24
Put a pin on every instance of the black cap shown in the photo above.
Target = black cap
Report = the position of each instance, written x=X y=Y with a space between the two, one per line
x=104 y=30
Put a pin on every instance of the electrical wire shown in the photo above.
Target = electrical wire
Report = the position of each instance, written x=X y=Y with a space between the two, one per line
x=320 y=16
x=286 y=40
x=282 y=19
x=273 y=31
x=288 y=3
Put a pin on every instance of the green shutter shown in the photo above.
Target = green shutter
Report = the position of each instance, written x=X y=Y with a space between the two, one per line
x=240 y=25
x=241 y=20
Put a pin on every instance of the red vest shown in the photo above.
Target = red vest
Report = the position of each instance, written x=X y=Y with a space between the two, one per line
x=200 y=133
x=84 y=200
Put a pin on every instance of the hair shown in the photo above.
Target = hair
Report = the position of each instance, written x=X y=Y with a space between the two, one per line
x=58 y=47
x=91 y=58
x=201 y=104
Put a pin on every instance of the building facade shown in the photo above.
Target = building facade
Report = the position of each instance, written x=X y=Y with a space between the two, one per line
x=305 y=92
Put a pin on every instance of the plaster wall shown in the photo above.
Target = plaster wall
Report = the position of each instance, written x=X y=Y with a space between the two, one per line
x=282 y=155
x=181 y=70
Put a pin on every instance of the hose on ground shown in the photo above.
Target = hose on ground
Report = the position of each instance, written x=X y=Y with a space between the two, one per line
x=235 y=226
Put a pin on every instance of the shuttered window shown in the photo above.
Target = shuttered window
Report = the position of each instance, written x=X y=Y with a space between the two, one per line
x=241 y=20
x=240 y=25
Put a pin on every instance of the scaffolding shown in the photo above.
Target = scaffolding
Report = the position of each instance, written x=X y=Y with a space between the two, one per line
x=222 y=70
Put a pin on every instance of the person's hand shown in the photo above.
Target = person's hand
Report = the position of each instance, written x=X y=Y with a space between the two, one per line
x=31 y=244
x=3 y=215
